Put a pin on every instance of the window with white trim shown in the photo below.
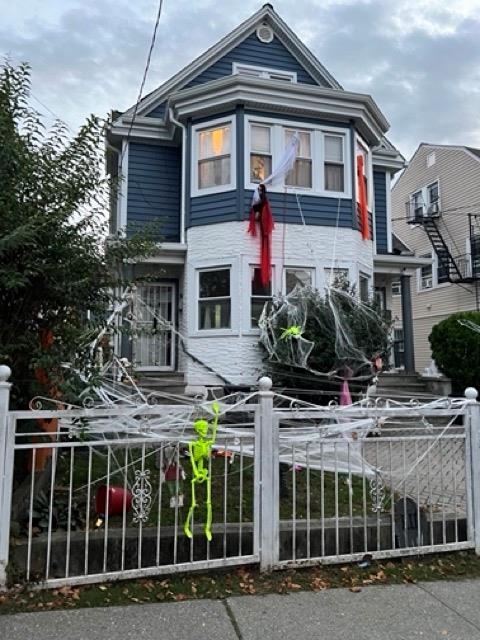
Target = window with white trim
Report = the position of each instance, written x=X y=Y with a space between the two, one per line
x=322 y=165
x=301 y=173
x=364 y=287
x=362 y=150
x=396 y=288
x=297 y=277
x=263 y=72
x=425 y=275
x=334 y=165
x=214 y=302
x=214 y=156
x=260 y=295
x=260 y=152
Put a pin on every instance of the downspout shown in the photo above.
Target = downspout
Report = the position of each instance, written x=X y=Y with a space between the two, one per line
x=184 y=166
x=115 y=222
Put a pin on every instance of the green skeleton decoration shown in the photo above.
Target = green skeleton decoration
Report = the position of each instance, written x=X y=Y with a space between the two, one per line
x=199 y=451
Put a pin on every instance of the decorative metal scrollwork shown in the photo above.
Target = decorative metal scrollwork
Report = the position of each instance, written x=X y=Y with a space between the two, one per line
x=377 y=493
x=142 y=496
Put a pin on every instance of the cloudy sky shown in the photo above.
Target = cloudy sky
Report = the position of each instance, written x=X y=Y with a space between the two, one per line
x=419 y=59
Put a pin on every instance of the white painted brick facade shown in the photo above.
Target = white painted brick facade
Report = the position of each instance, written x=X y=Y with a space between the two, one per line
x=235 y=353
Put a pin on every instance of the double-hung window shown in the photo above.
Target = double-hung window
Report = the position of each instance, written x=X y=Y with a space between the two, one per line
x=364 y=287
x=261 y=152
x=214 y=157
x=301 y=173
x=260 y=295
x=214 y=302
x=334 y=167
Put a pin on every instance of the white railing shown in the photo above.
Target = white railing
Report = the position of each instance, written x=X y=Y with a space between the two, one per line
x=101 y=496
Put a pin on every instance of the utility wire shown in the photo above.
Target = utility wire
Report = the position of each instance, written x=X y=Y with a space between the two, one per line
x=144 y=78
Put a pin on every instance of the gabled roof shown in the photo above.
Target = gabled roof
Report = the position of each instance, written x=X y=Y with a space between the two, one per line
x=471 y=151
x=281 y=30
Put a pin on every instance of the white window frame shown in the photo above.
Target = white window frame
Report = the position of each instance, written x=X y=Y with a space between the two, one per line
x=368 y=278
x=424 y=192
x=360 y=142
x=292 y=267
x=252 y=268
x=420 y=287
x=394 y=294
x=336 y=268
x=198 y=271
x=212 y=124
x=317 y=142
x=263 y=72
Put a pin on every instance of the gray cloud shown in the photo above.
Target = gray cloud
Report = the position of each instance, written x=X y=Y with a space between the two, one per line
x=420 y=61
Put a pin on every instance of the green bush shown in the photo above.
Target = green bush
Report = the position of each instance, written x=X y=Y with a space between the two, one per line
x=456 y=350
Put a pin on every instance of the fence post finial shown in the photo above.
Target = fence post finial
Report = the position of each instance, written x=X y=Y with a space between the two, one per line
x=471 y=394
x=265 y=383
x=5 y=373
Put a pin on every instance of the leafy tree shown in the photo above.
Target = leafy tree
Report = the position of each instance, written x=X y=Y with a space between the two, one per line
x=346 y=336
x=57 y=275
x=456 y=350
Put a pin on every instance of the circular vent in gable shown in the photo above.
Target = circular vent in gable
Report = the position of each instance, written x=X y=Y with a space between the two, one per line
x=264 y=33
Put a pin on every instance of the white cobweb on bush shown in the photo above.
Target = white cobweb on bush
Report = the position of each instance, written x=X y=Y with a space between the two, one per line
x=287 y=324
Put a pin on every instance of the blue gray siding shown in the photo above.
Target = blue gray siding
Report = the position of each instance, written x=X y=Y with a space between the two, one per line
x=251 y=51
x=318 y=211
x=380 y=191
x=158 y=111
x=154 y=176
x=214 y=208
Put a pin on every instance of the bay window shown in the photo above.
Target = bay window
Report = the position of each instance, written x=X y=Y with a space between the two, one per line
x=322 y=162
x=214 y=302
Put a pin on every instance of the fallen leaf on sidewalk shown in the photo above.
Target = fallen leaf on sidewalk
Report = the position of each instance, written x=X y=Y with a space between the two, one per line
x=355 y=589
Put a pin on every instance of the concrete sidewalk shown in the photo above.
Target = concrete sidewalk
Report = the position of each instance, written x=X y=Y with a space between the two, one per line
x=427 y=610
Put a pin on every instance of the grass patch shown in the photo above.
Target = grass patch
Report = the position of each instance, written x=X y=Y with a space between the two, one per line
x=244 y=581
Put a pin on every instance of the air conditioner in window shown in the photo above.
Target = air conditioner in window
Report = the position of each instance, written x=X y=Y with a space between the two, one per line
x=433 y=209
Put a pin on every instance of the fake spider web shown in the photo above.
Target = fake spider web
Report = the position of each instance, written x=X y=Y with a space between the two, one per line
x=338 y=318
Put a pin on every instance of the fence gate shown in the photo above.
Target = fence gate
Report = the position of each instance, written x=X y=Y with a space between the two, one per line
x=375 y=482
x=103 y=495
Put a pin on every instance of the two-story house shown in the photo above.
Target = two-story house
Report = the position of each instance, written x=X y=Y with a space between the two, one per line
x=191 y=154
x=435 y=210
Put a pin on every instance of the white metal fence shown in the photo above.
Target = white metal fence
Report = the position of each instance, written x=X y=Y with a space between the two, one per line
x=100 y=494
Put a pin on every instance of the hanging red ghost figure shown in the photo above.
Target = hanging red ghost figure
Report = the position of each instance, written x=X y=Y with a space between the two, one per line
x=261 y=213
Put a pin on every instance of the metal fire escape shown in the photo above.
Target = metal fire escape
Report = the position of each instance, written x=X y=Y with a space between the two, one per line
x=458 y=268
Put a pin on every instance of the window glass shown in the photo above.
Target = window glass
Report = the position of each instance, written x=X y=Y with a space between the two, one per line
x=443 y=267
x=260 y=294
x=396 y=288
x=214 y=305
x=334 y=167
x=363 y=287
x=295 y=277
x=301 y=174
x=260 y=156
x=426 y=280
x=214 y=157
x=433 y=193
x=336 y=277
